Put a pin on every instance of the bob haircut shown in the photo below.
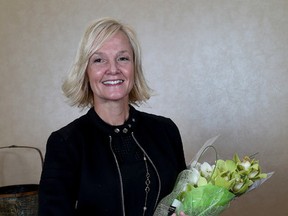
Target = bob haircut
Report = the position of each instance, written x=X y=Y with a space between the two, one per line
x=76 y=87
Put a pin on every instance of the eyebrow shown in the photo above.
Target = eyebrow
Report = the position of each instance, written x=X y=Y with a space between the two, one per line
x=119 y=53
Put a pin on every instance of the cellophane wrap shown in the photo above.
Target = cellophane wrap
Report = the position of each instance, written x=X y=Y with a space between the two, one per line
x=208 y=200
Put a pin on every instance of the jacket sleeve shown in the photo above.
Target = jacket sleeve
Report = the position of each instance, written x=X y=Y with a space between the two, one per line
x=178 y=146
x=58 y=176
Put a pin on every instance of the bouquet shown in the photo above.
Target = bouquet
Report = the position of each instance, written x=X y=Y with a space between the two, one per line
x=207 y=190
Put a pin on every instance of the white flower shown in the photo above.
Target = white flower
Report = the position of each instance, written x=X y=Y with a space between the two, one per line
x=206 y=170
x=195 y=176
x=245 y=164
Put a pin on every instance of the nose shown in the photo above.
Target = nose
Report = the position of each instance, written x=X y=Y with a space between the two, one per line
x=113 y=67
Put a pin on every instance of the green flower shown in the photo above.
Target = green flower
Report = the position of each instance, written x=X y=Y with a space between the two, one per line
x=235 y=175
x=241 y=185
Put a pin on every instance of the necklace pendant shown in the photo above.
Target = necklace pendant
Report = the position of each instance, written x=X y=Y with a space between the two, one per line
x=144 y=210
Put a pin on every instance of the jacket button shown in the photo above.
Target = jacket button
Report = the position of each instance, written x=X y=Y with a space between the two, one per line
x=116 y=130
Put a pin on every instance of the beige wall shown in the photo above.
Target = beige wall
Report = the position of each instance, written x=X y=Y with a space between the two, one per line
x=217 y=67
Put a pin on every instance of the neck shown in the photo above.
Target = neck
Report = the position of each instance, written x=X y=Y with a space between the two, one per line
x=113 y=113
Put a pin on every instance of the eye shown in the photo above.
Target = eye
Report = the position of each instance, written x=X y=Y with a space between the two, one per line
x=123 y=58
x=97 y=60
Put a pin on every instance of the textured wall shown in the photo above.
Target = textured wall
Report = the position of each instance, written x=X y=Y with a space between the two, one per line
x=217 y=67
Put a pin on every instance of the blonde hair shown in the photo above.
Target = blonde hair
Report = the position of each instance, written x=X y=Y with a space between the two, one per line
x=76 y=86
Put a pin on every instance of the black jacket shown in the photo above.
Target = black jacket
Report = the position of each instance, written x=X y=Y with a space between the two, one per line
x=80 y=169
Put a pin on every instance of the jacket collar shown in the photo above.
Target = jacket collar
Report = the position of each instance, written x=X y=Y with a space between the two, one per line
x=127 y=128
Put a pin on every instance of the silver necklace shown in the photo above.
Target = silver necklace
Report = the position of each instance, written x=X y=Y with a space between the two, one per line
x=147 y=183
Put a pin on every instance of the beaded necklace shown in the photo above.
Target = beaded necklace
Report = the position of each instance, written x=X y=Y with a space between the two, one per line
x=147 y=183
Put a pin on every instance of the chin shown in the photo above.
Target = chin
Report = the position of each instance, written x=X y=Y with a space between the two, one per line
x=118 y=97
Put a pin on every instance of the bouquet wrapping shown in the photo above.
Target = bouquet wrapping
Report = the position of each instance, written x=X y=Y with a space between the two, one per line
x=207 y=190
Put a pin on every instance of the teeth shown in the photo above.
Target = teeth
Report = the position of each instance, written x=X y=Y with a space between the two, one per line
x=113 y=82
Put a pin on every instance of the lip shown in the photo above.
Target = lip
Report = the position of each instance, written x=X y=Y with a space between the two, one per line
x=113 y=82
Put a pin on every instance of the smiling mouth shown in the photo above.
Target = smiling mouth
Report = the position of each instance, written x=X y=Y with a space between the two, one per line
x=113 y=82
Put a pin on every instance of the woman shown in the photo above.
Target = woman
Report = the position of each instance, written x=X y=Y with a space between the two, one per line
x=114 y=160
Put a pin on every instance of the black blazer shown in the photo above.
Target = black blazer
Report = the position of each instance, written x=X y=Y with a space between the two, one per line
x=79 y=167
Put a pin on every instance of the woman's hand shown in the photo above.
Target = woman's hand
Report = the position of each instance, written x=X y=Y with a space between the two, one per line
x=181 y=214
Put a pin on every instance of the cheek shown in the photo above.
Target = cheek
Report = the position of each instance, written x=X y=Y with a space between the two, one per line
x=132 y=74
x=93 y=75
x=89 y=73
x=92 y=80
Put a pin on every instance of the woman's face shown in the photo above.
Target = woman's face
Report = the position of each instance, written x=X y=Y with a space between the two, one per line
x=111 y=70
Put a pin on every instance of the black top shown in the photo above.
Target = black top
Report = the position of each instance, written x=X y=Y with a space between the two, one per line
x=133 y=169
x=80 y=167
